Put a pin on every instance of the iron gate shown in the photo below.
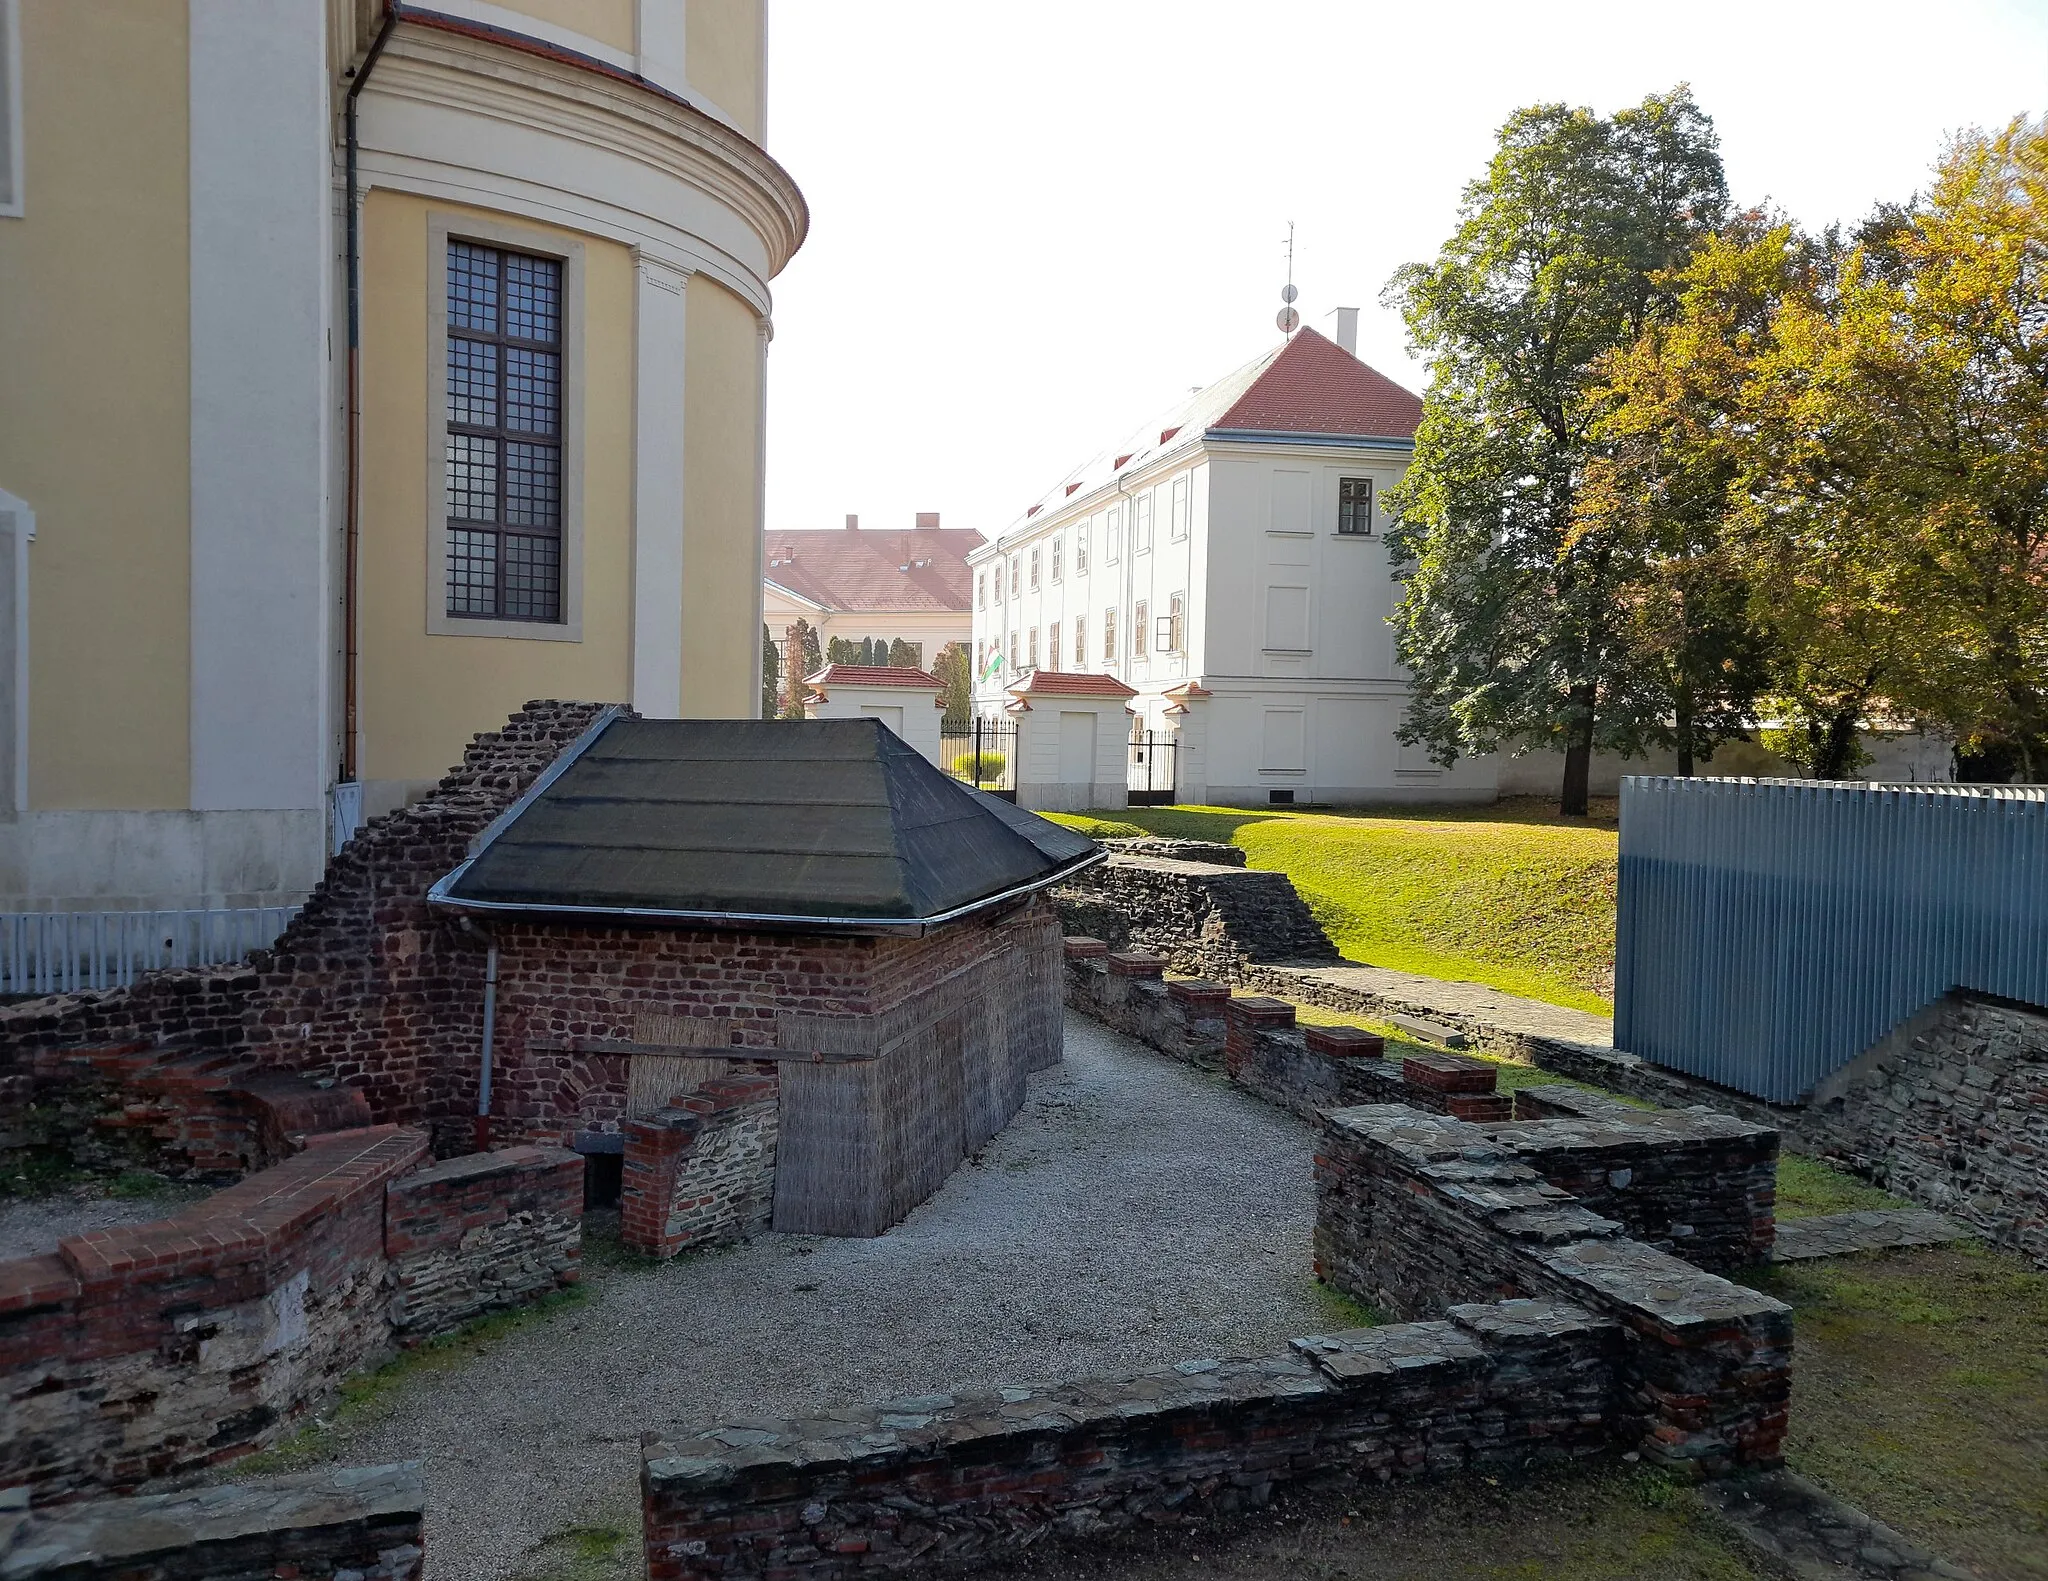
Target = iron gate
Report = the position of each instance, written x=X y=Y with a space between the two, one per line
x=1150 y=777
x=983 y=753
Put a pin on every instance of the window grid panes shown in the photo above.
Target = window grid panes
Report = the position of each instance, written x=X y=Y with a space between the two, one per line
x=1354 y=506
x=1080 y=642
x=1108 y=635
x=504 y=453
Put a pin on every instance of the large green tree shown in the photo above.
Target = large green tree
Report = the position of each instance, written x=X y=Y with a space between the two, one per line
x=771 y=674
x=950 y=669
x=1510 y=620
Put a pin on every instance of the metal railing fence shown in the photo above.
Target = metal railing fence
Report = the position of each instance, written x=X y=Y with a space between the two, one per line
x=1769 y=931
x=982 y=752
x=59 y=952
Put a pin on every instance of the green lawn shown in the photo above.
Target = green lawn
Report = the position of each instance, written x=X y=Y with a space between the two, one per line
x=1509 y=895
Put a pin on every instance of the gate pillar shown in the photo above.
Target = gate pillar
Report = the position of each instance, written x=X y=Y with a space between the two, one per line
x=1187 y=715
x=1073 y=736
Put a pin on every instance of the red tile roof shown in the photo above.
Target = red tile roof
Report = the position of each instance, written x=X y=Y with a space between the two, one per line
x=1071 y=683
x=872 y=675
x=1316 y=387
x=866 y=569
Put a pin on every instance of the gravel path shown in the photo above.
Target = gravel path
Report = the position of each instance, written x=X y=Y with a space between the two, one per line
x=32 y=1226
x=1135 y=1212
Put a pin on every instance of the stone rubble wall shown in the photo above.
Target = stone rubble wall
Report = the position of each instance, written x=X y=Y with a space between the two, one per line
x=356 y=1523
x=1417 y=1212
x=479 y=1234
x=948 y=1482
x=1950 y=1111
x=153 y=1350
x=701 y=1171
x=1213 y=852
x=1207 y=920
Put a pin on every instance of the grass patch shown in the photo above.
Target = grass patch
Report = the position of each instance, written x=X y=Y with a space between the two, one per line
x=1808 y=1188
x=584 y=1553
x=1920 y=1394
x=361 y=1396
x=1341 y=1311
x=1509 y=895
x=1095 y=828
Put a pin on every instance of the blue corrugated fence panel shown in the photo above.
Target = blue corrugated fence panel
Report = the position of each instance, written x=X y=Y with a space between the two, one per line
x=1769 y=931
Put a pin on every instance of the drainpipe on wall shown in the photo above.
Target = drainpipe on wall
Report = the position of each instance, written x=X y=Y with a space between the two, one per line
x=483 y=1089
x=352 y=489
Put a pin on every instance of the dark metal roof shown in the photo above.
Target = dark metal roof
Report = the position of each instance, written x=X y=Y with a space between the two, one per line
x=823 y=822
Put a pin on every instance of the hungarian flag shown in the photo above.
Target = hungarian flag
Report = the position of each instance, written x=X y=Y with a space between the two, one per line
x=994 y=665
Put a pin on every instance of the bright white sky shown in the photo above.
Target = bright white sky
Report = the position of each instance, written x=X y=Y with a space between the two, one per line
x=1034 y=224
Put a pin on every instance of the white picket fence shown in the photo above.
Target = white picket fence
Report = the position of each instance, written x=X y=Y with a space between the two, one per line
x=58 y=952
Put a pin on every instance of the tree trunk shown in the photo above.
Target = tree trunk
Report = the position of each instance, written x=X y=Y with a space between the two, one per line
x=1685 y=743
x=1578 y=760
x=1837 y=747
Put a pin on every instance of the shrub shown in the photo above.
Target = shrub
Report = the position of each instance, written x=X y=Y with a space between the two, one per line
x=992 y=766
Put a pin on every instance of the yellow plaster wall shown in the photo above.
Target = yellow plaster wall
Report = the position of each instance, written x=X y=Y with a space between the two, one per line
x=723 y=44
x=608 y=21
x=424 y=696
x=95 y=377
x=721 y=503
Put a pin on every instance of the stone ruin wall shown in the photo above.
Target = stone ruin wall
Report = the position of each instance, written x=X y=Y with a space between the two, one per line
x=1541 y=1331
x=152 y=1350
x=1206 y=919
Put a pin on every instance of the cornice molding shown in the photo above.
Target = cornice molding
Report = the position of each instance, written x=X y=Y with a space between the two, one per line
x=489 y=78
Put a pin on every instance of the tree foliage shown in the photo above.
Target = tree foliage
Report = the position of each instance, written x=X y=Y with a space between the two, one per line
x=950 y=669
x=1512 y=622
x=771 y=674
x=806 y=660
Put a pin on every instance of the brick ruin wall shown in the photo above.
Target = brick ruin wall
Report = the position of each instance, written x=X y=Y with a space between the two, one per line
x=360 y=1523
x=367 y=989
x=1694 y=1182
x=1208 y=920
x=1540 y=1330
x=700 y=1172
x=157 y=1349
x=1416 y=1212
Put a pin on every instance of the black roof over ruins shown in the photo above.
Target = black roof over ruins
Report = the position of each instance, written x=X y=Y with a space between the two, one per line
x=830 y=823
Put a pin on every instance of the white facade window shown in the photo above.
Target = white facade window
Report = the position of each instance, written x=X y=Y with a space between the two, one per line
x=1013 y=651
x=1052 y=644
x=1141 y=525
x=1183 y=494
x=1081 y=537
x=1017 y=577
x=10 y=109
x=1139 y=613
x=1080 y=642
x=1109 y=635
x=1034 y=569
x=1172 y=625
x=1056 y=559
x=999 y=581
x=1114 y=544
x=981 y=590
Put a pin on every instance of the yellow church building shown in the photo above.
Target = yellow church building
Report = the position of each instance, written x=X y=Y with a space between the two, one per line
x=365 y=370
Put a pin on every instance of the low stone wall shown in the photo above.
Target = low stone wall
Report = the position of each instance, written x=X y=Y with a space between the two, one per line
x=481 y=1233
x=359 y=1523
x=1213 y=852
x=701 y=1172
x=952 y=1481
x=152 y=1350
x=1416 y=1213
x=1205 y=919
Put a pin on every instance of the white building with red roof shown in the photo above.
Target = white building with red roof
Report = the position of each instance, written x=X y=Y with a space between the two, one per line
x=864 y=582
x=1228 y=563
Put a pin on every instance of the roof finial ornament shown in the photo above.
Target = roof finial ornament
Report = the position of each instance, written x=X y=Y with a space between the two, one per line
x=1287 y=318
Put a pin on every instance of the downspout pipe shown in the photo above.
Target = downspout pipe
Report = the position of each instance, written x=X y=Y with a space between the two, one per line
x=483 y=1087
x=352 y=487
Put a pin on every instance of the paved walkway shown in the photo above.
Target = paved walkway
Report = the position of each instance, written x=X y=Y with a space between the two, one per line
x=1837 y=1234
x=1485 y=1014
x=1134 y=1213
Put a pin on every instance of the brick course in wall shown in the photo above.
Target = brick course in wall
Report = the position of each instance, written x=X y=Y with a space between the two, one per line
x=152 y=1350
x=701 y=1172
x=949 y=1481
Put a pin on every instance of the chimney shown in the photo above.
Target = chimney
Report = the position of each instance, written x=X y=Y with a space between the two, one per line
x=853 y=524
x=1347 y=328
x=927 y=521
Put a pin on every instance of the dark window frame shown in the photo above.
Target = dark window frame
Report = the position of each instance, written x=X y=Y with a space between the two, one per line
x=1354 y=514
x=534 y=596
